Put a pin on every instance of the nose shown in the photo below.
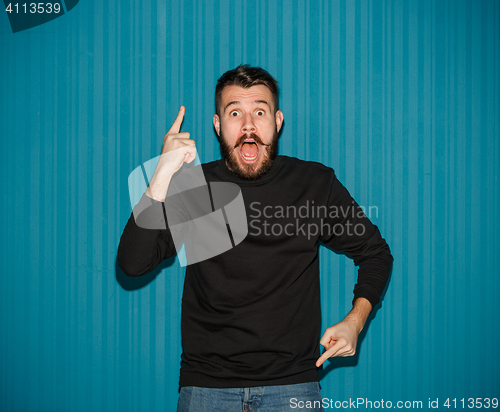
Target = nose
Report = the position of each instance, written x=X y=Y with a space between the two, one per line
x=248 y=124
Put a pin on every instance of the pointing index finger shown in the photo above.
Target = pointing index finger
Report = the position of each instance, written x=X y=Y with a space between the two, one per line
x=328 y=354
x=176 y=127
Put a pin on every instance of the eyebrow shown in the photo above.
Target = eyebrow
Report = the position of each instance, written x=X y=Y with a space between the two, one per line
x=255 y=101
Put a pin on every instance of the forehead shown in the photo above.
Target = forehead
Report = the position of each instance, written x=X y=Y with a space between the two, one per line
x=245 y=95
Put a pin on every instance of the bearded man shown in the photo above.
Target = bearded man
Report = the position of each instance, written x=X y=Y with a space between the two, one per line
x=251 y=316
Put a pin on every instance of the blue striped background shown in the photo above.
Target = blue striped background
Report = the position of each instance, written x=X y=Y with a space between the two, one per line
x=400 y=97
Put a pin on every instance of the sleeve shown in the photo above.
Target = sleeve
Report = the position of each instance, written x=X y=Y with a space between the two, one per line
x=146 y=239
x=351 y=233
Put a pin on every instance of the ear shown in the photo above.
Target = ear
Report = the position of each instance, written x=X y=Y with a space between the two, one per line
x=279 y=120
x=217 y=124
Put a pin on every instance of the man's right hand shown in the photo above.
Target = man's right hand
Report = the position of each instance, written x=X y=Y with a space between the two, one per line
x=177 y=149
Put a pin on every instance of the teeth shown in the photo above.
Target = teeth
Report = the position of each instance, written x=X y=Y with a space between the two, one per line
x=250 y=157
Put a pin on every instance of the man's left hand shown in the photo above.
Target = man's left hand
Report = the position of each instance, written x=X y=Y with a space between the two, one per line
x=341 y=339
x=338 y=340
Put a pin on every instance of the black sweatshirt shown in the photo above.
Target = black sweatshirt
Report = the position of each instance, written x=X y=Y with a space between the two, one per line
x=251 y=315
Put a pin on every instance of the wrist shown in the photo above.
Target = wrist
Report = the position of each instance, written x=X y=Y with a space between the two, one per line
x=359 y=313
x=151 y=193
x=158 y=188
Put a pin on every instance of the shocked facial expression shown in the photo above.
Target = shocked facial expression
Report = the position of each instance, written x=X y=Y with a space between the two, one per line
x=248 y=128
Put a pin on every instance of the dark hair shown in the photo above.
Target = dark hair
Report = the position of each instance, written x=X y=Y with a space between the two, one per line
x=246 y=76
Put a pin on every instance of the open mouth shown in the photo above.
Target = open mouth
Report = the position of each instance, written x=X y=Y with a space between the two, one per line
x=249 y=151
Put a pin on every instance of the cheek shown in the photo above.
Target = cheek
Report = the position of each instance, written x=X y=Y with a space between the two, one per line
x=268 y=128
x=267 y=122
x=231 y=130
x=231 y=135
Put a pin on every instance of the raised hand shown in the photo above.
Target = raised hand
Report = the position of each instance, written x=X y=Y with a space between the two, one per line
x=177 y=149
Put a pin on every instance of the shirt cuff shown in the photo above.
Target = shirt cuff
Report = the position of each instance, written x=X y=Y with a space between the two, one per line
x=149 y=214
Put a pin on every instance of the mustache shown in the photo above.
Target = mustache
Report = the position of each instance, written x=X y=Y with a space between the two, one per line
x=253 y=136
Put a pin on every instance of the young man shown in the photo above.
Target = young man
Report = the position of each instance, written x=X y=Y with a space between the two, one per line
x=251 y=315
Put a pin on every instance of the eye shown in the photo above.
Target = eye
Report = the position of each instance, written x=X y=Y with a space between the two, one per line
x=233 y=113
x=260 y=112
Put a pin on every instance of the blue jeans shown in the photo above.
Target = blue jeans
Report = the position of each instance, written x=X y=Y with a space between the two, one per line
x=279 y=398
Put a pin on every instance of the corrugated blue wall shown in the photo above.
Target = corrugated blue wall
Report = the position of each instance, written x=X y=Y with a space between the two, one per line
x=401 y=98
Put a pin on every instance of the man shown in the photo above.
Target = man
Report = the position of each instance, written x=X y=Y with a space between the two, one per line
x=251 y=315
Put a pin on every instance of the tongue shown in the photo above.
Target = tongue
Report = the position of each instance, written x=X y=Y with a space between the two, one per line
x=249 y=149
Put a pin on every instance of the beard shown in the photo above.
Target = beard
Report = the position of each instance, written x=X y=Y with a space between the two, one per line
x=250 y=171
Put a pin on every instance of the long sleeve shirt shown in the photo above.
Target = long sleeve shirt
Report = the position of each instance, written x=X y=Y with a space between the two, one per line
x=251 y=315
